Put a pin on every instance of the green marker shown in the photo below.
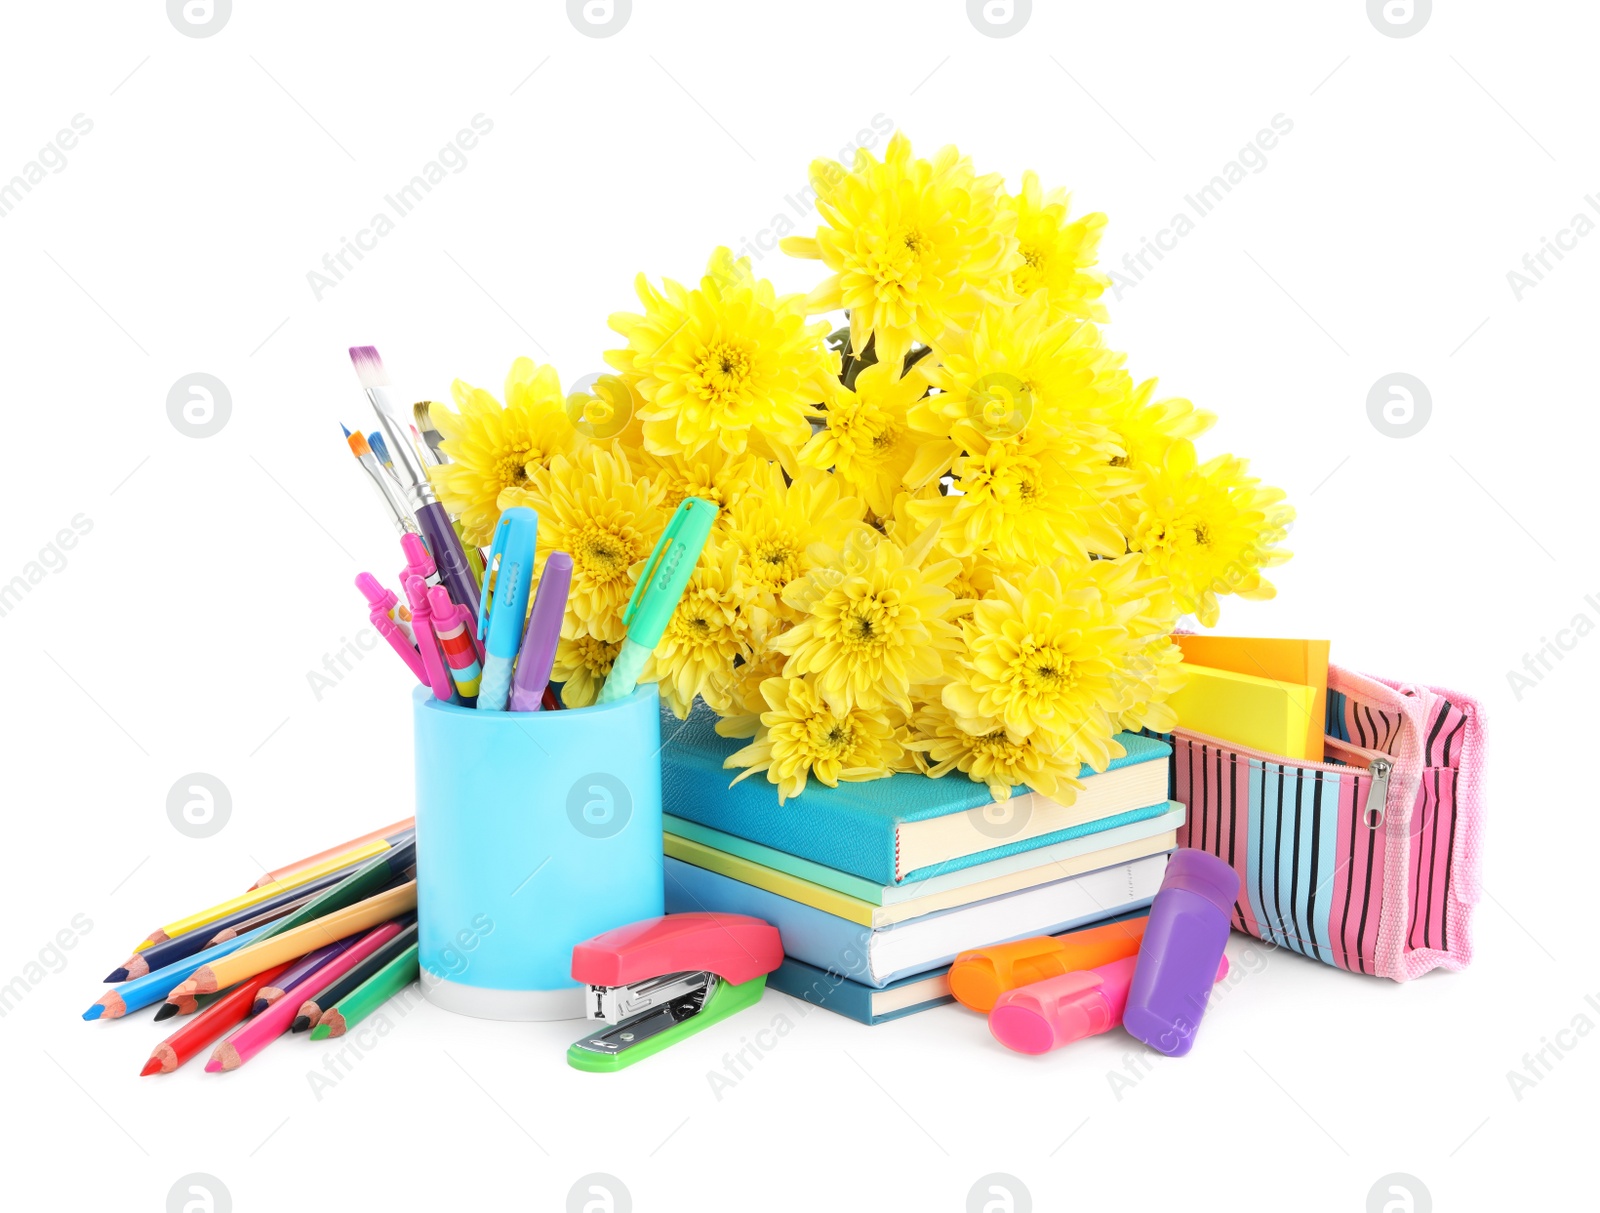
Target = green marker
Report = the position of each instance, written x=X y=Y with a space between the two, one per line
x=661 y=585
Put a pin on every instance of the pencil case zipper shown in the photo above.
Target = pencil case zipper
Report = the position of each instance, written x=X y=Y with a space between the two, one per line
x=1378 y=770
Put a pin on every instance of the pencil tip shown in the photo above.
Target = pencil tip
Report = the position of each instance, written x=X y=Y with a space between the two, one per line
x=260 y=1005
x=115 y=976
x=302 y=1023
x=94 y=1012
x=167 y=1011
x=153 y=1066
x=213 y=1066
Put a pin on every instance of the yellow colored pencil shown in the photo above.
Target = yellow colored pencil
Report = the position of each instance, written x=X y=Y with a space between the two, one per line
x=291 y=945
x=223 y=908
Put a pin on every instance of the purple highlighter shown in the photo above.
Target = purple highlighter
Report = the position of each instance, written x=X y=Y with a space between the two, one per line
x=538 y=653
x=1182 y=946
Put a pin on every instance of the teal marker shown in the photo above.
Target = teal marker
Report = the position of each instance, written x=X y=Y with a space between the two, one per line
x=661 y=585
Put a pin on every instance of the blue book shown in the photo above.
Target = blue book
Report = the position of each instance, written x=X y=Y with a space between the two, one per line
x=904 y=827
x=856 y=1001
x=878 y=956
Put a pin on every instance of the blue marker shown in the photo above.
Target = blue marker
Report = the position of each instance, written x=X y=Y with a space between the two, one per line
x=503 y=609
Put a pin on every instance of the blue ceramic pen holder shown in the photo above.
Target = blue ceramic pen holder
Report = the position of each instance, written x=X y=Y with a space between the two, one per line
x=535 y=832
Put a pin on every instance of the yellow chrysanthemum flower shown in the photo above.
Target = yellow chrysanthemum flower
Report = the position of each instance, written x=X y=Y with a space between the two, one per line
x=776 y=524
x=592 y=506
x=914 y=246
x=743 y=717
x=491 y=445
x=1057 y=254
x=1208 y=528
x=865 y=439
x=581 y=666
x=975 y=578
x=1150 y=672
x=995 y=757
x=1018 y=370
x=1144 y=428
x=707 y=632
x=800 y=736
x=876 y=620
x=729 y=364
x=1030 y=498
x=1047 y=653
x=711 y=474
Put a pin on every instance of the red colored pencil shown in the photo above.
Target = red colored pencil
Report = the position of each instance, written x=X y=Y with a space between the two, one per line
x=272 y=1023
x=208 y=1025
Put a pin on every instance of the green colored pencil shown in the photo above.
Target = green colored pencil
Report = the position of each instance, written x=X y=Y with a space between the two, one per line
x=377 y=990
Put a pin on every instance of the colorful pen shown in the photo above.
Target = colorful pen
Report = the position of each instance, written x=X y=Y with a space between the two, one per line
x=450 y=626
x=382 y=602
x=655 y=598
x=403 y=440
x=504 y=608
x=420 y=564
x=538 y=652
x=427 y=643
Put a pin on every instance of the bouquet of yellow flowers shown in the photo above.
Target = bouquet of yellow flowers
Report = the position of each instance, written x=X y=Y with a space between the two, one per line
x=953 y=534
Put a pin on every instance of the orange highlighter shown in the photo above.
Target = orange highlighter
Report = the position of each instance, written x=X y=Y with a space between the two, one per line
x=979 y=977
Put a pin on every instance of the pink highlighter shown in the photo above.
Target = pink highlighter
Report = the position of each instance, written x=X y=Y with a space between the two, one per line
x=1060 y=1010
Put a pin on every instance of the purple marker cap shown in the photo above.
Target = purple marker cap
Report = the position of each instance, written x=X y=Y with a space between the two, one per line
x=538 y=652
x=1181 y=951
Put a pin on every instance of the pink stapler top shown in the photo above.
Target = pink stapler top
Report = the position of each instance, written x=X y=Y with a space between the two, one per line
x=735 y=947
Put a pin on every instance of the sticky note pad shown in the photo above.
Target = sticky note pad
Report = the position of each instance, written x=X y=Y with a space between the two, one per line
x=1295 y=661
x=1258 y=713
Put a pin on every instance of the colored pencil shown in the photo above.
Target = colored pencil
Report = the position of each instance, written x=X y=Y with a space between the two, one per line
x=276 y=913
x=266 y=1027
x=267 y=952
x=308 y=966
x=226 y=1012
x=142 y=991
x=311 y=1010
x=344 y=848
x=187 y=1005
x=256 y=896
x=377 y=874
x=379 y=989
x=237 y=923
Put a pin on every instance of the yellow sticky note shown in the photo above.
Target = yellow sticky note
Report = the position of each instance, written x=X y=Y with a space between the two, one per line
x=1257 y=713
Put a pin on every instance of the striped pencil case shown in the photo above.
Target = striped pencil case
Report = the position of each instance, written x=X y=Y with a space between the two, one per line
x=1368 y=861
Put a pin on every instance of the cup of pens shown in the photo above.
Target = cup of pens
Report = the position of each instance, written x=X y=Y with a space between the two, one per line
x=535 y=831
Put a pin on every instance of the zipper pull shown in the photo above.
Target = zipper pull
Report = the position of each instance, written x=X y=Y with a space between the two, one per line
x=1377 y=792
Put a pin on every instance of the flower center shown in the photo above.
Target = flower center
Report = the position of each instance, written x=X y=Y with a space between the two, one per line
x=1032 y=256
x=512 y=466
x=604 y=555
x=775 y=562
x=596 y=655
x=866 y=625
x=722 y=370
x=1045 y=670
x=831 y=737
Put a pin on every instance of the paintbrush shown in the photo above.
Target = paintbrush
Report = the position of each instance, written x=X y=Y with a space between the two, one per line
x=433 y=523
x=388 y=488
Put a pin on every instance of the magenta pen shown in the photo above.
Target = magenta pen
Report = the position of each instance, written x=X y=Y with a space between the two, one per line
x=380 y=603
x=1059 y=1010
x=1188 y=928
x=438 y=677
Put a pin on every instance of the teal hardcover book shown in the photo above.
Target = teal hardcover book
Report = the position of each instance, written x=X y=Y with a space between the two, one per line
x=905 y=827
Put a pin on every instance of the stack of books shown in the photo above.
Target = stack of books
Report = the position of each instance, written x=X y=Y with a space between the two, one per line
x=875 y=887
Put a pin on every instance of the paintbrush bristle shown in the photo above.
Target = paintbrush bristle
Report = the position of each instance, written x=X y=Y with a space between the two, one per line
x=358 y=445
x=380 y=448
x=369 y=367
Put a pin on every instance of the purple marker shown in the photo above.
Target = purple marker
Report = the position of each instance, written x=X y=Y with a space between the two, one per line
x=538 y=652
x=1182 y=947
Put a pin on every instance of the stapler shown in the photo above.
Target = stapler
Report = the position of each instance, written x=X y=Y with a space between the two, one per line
x=661 y=979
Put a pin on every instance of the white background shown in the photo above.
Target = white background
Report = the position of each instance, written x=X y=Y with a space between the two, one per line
x=180 y=634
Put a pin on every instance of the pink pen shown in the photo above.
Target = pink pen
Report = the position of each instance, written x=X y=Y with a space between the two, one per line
x=420 y=564
x=382 y=602
x=433 y=666
x=1060 y=1010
